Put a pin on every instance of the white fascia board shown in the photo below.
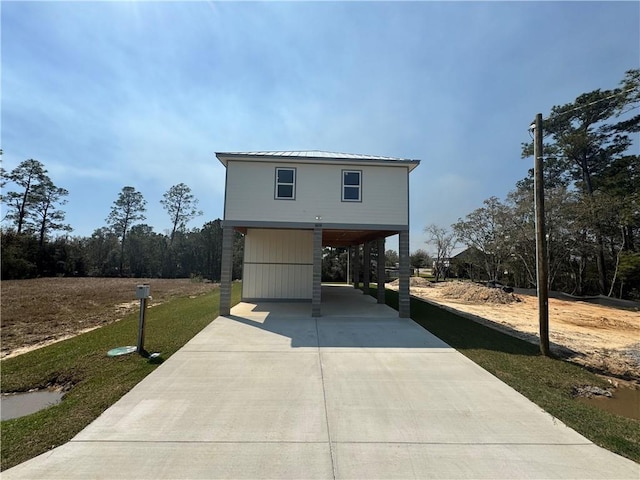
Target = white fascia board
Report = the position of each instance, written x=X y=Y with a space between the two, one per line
x=269 y=158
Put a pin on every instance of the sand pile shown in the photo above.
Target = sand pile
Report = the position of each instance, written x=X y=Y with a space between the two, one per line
x=414 y=282
x=475 y=293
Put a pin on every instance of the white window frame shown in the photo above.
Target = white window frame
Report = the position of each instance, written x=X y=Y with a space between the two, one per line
x=292 y=184
x=359 y=186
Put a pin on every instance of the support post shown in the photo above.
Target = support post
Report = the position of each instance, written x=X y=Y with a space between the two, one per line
x=316 y=295
x=404 y=300
x=356 y=266
x=366 y=266
x=542 y=269
x=381 y=274
x=348 y=279
x=142 y=292
x=226 y=270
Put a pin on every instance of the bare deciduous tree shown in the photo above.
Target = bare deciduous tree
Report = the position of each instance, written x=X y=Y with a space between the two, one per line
x=486 y=229
x=443 y=242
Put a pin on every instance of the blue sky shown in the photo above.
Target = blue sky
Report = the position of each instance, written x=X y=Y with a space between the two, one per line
x=108 y=94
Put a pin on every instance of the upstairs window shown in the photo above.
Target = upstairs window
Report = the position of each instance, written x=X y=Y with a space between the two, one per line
x=351 y=185
x=286 y=183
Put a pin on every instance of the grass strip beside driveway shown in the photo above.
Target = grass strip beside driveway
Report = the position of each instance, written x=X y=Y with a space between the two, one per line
x=548 y=382
x=96 y=381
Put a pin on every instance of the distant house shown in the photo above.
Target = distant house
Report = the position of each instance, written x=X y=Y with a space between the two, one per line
x=291 y=204
x=469 y=263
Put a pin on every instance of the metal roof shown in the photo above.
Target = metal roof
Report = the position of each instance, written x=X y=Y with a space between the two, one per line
x=314 y=155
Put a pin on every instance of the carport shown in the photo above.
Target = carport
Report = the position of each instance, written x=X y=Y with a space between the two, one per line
x=360 y=241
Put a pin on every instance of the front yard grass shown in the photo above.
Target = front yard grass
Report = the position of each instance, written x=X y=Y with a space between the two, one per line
x=96 y=380
x=548 y=382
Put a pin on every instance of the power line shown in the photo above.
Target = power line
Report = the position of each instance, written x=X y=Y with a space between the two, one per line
x=595 y=102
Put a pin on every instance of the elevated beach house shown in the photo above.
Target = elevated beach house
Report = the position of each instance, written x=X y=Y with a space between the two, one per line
x=291 y=204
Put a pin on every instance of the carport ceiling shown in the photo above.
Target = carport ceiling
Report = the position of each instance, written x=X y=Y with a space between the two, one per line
x=344 y=238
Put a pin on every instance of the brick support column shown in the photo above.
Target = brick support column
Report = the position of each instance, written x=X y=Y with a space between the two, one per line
x=356 y=266
x=403 y=292
x=226 y=270
x=381 y=275
x=316 y=296
x=366 y=266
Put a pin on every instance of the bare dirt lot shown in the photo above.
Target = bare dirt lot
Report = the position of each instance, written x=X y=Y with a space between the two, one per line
x=605 y=338
x=41 y=311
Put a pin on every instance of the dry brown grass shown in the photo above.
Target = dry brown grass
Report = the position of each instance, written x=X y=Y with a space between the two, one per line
x=44 y=310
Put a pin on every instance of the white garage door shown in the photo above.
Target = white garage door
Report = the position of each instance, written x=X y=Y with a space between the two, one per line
x=278 y=264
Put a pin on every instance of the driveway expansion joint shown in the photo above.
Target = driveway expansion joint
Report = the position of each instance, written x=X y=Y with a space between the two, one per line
x=326 y=410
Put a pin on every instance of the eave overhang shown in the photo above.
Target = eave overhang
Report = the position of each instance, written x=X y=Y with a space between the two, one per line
x=316 y=157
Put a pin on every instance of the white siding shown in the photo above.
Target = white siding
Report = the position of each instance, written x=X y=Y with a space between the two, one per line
x=250 y=194
x=278 y=264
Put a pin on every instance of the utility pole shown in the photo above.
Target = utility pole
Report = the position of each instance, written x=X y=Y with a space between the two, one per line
x=542 y=267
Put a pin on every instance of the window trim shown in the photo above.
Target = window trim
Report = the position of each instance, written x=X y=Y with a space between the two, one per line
x=293 y=184
x=359 y=186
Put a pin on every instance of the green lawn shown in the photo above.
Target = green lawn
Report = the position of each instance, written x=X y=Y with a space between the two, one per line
x=98 y=381
x=548 y=382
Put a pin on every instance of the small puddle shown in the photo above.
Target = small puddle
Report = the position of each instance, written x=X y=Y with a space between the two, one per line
x=15 y=405
x=625 y=401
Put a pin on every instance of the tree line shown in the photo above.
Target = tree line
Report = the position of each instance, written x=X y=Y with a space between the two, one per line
x=592 y=199
x=592 y=205
x=36 y=242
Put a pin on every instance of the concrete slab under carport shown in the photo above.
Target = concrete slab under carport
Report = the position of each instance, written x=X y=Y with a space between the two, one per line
x=338 y=300
x=264 y=395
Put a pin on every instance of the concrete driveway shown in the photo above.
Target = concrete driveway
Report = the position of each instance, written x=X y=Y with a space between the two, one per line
x=270 y=392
